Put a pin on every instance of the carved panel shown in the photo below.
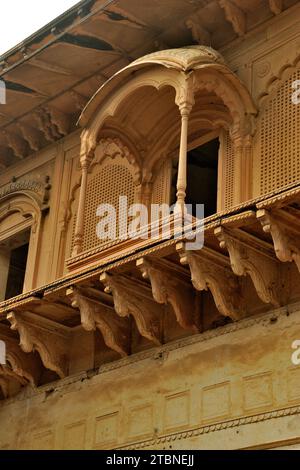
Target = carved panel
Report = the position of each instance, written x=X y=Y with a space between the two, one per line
x=216 y=401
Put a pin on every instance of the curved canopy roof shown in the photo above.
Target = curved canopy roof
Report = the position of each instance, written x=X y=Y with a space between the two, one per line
x=185 y=59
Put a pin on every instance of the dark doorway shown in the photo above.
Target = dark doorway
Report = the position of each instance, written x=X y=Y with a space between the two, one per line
x=17 y=268
x=202 y=177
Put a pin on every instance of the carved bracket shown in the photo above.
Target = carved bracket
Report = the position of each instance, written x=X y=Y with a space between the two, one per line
x=51 y=343
x=235 y=16
x=244 y=259
x=94 y=314
x=131 y=299
x=286 y=243
x=20 y=369
x=168 y=287
x=209 y=271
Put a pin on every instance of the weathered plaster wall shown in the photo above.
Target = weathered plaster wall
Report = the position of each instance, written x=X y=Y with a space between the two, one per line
x=234 y=387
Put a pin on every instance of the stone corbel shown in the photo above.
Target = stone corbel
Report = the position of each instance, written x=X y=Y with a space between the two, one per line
x=94 y=314
x=286 y=243
x=200 y=34
x=257 y=263
x=10 y=382
x=169 y=287
x=276 y=6
x=20 y=369
x=50 y=342
x=133 y=299
x=235 y=16
x=209 y=271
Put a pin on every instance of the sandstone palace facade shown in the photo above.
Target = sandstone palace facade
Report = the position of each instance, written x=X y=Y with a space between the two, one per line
x=142 y=343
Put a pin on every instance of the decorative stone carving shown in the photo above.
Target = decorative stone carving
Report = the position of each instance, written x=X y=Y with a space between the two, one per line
x=94 y=314
x=285 y=239
x=10 y=383
x=113 y=147
x=40 y=189
x=20 y=368
x=209 y=270
x=133 y=299
x=31 y=136
x=169 y=286
x=52 y=343
x=16 y=143
x=235 y=16
x=254 y=261
x=276 y=6
x=200 y=35
x=58 y=119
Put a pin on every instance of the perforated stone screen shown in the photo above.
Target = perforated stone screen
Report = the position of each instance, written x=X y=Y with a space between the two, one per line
x=104 y=187
x=228 y=165
x=280 y=139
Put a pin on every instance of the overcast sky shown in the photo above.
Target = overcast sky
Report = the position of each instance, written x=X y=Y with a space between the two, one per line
x=21 y=18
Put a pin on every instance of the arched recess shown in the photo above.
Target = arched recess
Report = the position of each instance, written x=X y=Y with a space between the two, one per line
x=200 y=82
x=22 y=211
x=114 y=170
x=277 y=141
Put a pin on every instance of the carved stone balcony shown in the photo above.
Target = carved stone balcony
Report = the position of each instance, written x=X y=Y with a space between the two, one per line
x=139 y=294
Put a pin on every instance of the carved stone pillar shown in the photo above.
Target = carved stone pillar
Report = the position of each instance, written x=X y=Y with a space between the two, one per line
x=85 y=161
x=185 y=106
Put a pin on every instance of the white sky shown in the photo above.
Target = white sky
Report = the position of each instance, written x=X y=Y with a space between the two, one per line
x=21 y=18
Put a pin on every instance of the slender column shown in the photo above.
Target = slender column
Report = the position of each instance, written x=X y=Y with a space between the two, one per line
x=85 y=161
x=185 y=108
x=239 y=168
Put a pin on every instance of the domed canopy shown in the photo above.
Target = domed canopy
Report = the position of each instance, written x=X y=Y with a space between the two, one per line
x=186 y=60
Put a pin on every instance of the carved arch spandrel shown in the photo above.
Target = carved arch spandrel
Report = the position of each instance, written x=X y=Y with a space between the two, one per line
x=245 y=260
x=51 y=343
x=132 y=299
x=286 y=243
x=211 y=273
x=115 y=330
x=169 y=287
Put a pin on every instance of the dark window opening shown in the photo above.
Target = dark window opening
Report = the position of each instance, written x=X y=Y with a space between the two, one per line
x=14 y=253
x=202 y=177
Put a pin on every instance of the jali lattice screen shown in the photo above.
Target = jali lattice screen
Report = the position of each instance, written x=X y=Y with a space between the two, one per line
x=280 y=138
x=105 y=186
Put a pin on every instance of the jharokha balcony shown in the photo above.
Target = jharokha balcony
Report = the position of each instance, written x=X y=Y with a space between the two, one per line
x=143 y=294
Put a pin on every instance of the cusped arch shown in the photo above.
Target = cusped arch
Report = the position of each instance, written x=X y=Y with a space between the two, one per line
x=25 y=203
x=205 y=67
